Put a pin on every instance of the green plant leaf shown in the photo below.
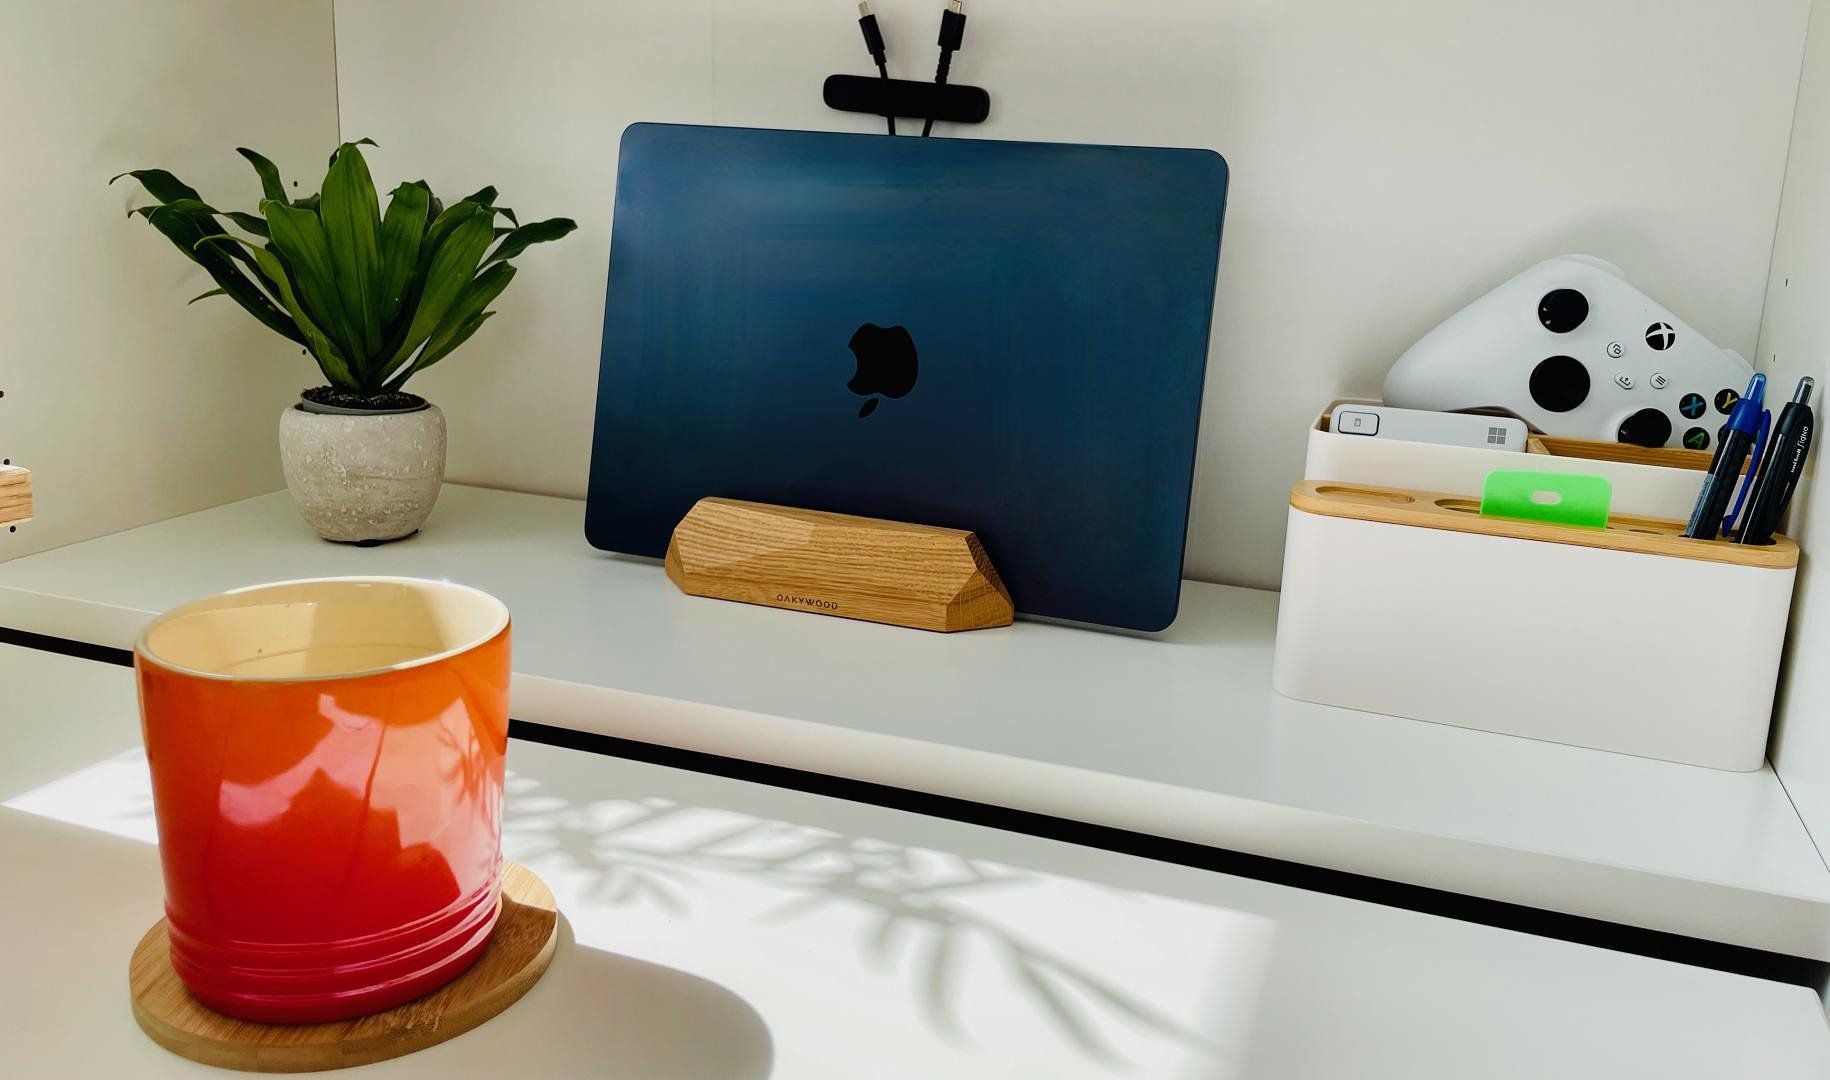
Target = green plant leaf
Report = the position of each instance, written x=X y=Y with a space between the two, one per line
x=189 y=206
x=432 y=356
x=160 y=184
x=184 y=231
x=487 y=197
x=309 y=202
x=453 y=216
x=323 y=350
x=250 y=222
x=203 y=224
x=527 y=235
x=271 y=185
x=339 y=150
x=299 y=239
x=336 y=369
x=352 y=223
x=206 y=296
x=402 y=229
x=438 y=226
x=206 y=224
x=478 y=294
x=448 y=272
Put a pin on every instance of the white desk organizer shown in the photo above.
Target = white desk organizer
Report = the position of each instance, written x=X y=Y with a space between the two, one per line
x=1629 y=638
x=1649 y=483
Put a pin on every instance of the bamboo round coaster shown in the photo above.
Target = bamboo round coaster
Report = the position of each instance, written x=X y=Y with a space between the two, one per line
x=519 y=951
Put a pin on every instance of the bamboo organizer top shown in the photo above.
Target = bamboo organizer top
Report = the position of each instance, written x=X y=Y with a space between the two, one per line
x=15 y=495
x=1669 y=457
x=1460 y=513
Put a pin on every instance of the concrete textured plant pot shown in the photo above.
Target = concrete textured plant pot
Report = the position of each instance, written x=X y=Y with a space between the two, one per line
x=363 y=477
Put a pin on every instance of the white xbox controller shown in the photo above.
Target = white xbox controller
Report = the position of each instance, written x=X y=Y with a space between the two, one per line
x=1572 y=349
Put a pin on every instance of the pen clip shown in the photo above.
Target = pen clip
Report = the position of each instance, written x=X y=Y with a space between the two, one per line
x=1753 y=470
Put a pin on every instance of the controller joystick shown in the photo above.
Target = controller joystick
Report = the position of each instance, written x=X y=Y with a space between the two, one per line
x=1563 y=310
x=1572 y=349
x=1647 y=427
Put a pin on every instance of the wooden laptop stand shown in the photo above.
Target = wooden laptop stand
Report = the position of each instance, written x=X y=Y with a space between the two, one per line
x=836 y=564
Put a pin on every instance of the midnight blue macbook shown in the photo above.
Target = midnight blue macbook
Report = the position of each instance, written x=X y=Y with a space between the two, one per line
x=999 y=336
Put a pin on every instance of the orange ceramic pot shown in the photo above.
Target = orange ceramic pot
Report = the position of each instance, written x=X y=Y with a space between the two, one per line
x=327 y=778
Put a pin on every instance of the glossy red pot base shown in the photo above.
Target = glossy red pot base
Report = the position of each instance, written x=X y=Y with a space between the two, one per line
x=336 y=980
x=331 y=842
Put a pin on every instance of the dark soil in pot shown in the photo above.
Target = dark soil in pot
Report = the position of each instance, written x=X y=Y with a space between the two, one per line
x=336 y=398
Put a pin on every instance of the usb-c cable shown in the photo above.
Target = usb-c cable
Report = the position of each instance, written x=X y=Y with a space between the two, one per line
x=873 y=40
x=952 y=35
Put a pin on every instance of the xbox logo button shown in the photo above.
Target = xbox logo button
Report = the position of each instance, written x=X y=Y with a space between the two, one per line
x=1661 y=336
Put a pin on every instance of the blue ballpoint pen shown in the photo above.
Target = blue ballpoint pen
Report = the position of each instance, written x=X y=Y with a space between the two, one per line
x=1746 y=427
x=1732 y=523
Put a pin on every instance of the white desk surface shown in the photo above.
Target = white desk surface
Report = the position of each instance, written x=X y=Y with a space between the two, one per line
x=1178 y=735
x=720 y=929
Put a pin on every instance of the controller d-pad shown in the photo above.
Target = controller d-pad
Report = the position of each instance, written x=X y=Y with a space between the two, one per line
x=1647 y=427
x=1559 y=383
x=1692 y=406
x=1562 y=310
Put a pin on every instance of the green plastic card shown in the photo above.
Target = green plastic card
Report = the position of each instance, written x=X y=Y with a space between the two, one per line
x=1578 y=499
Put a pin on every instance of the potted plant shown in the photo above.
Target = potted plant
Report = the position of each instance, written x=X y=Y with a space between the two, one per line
x=375 y=299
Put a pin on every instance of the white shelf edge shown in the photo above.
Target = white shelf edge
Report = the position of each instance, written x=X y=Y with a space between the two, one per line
x=1701 y=909
x=1745 y=913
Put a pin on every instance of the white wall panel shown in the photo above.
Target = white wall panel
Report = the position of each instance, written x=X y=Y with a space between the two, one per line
x=128 y=406
x=1795 y=341
x=1390 y=163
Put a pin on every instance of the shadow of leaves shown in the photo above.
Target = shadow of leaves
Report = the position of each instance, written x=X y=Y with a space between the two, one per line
x=913 y=898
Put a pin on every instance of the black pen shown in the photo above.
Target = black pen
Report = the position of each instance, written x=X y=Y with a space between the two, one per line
x=1784 y=464
x=1739 y=435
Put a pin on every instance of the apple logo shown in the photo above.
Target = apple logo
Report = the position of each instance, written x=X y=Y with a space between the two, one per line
x=886 y=364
